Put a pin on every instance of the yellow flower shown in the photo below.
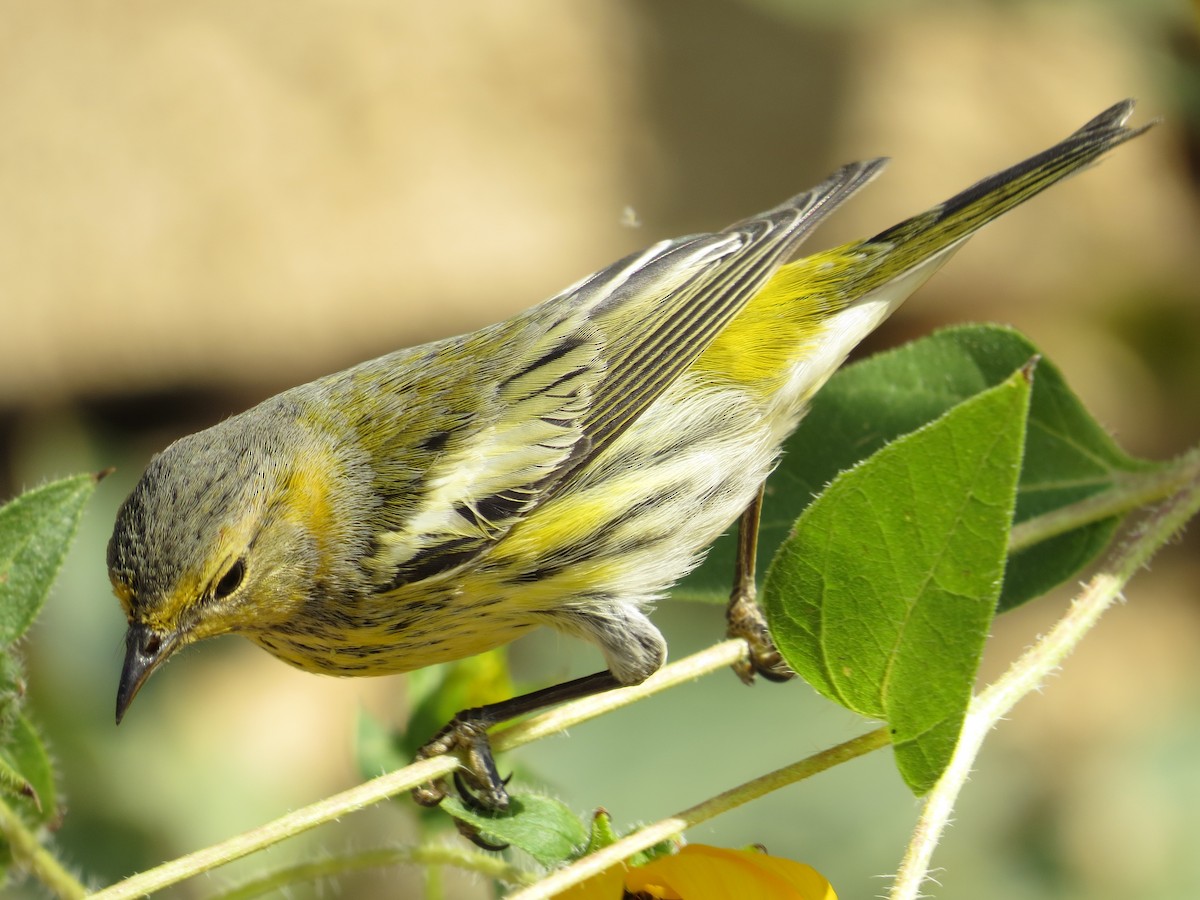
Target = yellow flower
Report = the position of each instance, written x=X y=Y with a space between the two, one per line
x=699 y=872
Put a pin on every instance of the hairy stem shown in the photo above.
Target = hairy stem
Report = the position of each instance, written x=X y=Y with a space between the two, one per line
x=482 y=864
x=30 y=855
x=1127 y=493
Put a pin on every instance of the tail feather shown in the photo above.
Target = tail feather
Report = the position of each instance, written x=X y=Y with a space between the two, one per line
x=924 y=235
x=815 y=310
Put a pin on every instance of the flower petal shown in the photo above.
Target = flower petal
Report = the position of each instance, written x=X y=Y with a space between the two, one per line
x=606 y=885
x=699 y=872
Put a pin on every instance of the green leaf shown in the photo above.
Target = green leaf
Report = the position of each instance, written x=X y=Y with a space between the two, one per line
x=1068 y=456
x=35 y=531
x=26 y=770
x=541 y=826
x=883 y=595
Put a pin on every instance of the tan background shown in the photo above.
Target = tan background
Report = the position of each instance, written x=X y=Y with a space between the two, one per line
x=204 y=203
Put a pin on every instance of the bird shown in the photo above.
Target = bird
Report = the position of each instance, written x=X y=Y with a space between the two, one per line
x=562 y=468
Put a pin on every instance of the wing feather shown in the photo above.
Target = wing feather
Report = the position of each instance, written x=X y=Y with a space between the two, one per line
x=579 y=369
x=658 y=324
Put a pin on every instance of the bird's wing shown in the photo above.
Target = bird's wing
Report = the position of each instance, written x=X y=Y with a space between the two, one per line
x=578 y=370
x=661 y=310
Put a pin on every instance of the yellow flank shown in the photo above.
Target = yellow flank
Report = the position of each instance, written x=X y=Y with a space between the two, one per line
x=559 y=526
x=781 y=322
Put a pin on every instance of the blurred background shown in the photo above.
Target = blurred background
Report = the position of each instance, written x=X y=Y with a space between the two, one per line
x=207 y=203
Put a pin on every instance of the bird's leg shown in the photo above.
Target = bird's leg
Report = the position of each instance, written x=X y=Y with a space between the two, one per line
x=744 y=617
x=466 y=735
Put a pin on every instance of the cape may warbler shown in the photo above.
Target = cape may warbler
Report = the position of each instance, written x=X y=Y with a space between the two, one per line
x=563 y=468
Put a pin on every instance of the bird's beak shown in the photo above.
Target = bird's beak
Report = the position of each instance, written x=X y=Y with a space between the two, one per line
x=145 y=651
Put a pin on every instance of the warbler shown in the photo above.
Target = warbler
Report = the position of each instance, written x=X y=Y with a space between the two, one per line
x=562 y=468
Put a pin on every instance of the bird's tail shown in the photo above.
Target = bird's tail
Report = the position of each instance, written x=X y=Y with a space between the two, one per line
x=906 y=245
x=801 y=325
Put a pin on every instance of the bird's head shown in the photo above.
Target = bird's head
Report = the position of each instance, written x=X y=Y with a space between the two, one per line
x=221 y=535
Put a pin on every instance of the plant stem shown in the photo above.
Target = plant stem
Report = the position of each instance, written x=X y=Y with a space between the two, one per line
x=665 y=829
x=1028 y=672
x=432 y=855
x=372 y=792
x=1128 y=492
x=555 y=721
x=31 y=856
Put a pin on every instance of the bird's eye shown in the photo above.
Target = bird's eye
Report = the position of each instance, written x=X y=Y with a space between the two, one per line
x=230 y=581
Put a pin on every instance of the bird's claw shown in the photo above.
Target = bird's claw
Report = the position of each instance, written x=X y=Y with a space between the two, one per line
x=478 y=782
x=745 y=620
